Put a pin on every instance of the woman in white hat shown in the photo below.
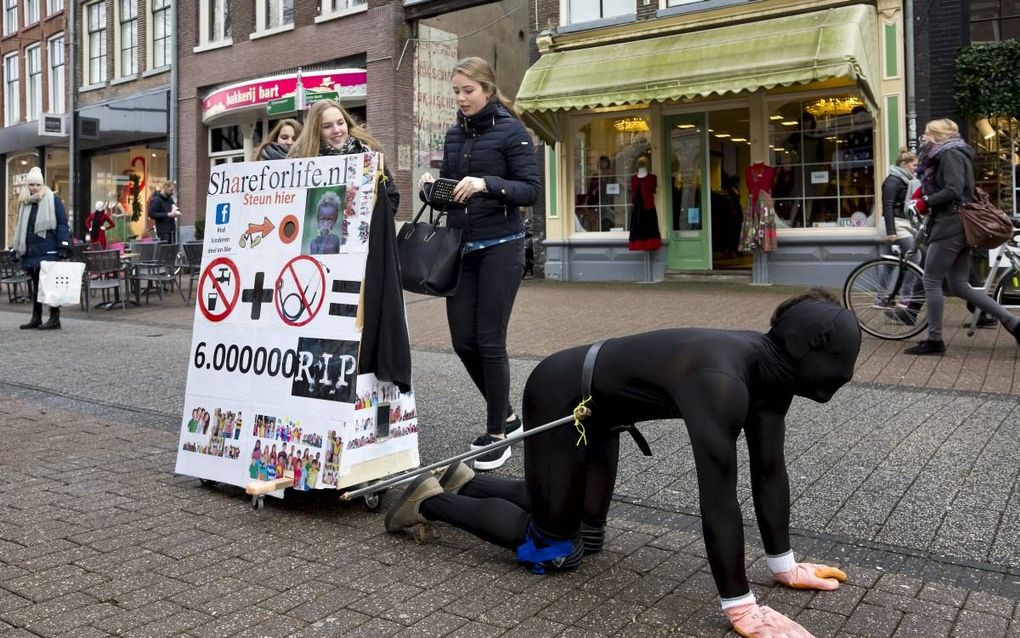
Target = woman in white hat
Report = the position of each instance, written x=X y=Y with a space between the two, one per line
x=41 y=234
x=98 y=222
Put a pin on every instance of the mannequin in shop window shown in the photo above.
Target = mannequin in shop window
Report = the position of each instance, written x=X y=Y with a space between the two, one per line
x=644 y=220
x=727 y=216
x=98 y=222
x=599 y=197
x=759 y=229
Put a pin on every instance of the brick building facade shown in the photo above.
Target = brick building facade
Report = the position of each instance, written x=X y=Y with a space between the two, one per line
x=33 y=49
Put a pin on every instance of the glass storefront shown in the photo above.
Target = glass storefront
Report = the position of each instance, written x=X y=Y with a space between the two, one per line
x=18 y=165
x=823 y=149
x=996 y=143
x=128 y=178
x=606 y=153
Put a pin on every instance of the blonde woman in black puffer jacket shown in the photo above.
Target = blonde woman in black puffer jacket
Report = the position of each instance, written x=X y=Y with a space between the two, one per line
x=490 y=153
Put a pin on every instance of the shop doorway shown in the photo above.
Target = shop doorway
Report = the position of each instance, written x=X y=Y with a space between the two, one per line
x=707 y=155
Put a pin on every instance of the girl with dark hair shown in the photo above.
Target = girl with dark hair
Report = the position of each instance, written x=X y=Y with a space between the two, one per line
x=279 y=141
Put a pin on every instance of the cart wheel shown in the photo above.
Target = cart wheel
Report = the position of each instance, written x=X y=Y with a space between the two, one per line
x=207 y=482
x=258 y=502
x=373 y=501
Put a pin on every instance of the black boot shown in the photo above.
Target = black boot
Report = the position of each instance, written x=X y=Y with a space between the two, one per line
x=36 y=319
x=54 y=322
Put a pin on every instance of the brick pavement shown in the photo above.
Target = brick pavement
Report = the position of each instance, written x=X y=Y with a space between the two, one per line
x=98 y=538
x=552 y=315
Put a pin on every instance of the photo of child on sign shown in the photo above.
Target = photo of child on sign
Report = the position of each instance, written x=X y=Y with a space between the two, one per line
x=325 y=208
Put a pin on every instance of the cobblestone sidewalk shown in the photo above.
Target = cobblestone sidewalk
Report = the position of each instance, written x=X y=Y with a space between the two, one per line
x=98 y=538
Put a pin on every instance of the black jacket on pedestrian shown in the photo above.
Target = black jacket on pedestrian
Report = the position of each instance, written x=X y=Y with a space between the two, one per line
x=496 y=146
x=953 y=182
x=159 y=211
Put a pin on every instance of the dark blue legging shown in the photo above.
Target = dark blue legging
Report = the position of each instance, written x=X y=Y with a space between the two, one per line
x=478 y=315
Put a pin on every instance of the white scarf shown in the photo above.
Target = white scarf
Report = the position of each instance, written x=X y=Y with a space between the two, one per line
x=45 y=218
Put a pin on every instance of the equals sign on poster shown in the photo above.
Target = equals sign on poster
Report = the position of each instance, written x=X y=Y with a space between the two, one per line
x=342 y=286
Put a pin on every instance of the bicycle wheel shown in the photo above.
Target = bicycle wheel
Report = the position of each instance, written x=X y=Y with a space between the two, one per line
x=888 y=298
x=1007 y=293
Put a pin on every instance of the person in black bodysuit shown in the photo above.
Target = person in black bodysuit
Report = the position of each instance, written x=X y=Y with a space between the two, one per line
x=721 y=383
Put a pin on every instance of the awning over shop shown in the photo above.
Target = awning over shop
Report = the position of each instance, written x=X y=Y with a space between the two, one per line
x=835 y=43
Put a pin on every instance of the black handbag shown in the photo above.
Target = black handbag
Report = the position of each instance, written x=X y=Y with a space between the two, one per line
x=429 y=255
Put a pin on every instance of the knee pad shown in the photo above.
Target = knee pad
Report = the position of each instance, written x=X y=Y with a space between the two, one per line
x=540 y=552
x=593 y=536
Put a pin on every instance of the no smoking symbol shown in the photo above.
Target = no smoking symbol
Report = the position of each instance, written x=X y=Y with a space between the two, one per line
x=300 y=289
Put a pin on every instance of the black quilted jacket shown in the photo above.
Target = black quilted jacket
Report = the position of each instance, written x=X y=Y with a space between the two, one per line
x=496 y=146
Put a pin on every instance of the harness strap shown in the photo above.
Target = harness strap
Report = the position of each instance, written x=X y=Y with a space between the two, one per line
x=587 y=373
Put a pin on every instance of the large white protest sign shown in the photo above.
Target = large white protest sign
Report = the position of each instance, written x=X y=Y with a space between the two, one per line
x=273 y=384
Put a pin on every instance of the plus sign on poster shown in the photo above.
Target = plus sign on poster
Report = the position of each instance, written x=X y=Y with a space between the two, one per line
x=274 y=386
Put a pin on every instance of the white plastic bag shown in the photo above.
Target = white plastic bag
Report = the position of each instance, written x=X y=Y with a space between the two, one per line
x=60 y=282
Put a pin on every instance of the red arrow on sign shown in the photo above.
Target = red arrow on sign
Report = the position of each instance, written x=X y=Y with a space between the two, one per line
x=264 y=228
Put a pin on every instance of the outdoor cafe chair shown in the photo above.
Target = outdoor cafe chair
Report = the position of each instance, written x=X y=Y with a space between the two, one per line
x=13 y=277
x=193 y=259
x=156 y=275
x=103 y=271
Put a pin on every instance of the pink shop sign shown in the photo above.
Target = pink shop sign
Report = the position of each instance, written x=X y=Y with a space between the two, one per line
x=256 y=93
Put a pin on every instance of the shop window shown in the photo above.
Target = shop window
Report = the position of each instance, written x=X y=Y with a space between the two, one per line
x=10 y=16
x=95 y=15
x=111 y=180
x=332 y=8
x=56 y=74
x=31 y=12
x=18 y=166
x=12 y=111
x=994 y=20
x=589 y=10
x=127 y=37
x=54 y=6
x=606 y=152
x=226 y=143
x=162 y=24
x=33 y=75
x=215 y=21
x=274 y=14
x=823 y=150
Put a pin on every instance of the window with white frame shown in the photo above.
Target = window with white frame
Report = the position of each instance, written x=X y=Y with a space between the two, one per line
x=162 y=23
x=273 y=14
x=31 y=12
x=95 y=20
x=332 y=7
x=10 y=16
x=226 y=143
x=56 y=74
x=215 y=21
x=12 y=112
x=33 y=75
x=127 y=36
x=53 y=6
x=588 y=10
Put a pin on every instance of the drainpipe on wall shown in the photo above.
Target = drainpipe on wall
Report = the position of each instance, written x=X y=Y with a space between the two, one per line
x=72 y=129
x=908 y=27
x=171 y=146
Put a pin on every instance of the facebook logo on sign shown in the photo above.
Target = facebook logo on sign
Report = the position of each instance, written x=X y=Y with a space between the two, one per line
x=222 y=213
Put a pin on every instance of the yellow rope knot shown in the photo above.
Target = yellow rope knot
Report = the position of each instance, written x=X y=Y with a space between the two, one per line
x=582 y=411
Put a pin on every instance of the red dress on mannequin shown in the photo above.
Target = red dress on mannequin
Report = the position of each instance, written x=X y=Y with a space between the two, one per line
x=644 y=221
x=759 y=229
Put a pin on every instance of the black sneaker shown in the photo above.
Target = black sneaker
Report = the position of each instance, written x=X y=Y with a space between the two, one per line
x=512 y=430
x=492 y=459
x=927 y=347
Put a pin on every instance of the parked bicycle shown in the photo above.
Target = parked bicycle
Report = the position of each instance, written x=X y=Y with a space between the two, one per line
x=887 y=294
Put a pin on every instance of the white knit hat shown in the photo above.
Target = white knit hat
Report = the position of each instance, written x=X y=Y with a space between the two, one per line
x=35 y=176
x=100 y=205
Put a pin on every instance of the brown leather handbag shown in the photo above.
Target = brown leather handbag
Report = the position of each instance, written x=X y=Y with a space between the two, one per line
x=984 y=225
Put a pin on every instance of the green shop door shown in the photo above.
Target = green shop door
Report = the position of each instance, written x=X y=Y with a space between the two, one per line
x=686 y=192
